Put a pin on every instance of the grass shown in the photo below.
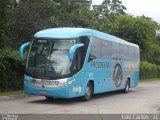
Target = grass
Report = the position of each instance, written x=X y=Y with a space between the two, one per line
x=11 y=93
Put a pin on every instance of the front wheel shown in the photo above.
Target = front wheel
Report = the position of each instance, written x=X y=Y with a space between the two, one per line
x=127 y=86
x=49 y=98
x=88 y=92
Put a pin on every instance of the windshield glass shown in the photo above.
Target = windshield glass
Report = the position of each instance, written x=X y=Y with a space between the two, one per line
x=49 y=57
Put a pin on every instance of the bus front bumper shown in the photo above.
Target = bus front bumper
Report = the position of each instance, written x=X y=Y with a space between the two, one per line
x=63 y=92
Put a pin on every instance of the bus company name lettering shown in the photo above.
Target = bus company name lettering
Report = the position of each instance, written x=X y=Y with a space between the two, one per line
x=100 y=65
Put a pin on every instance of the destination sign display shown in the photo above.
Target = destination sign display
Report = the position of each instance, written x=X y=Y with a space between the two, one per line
x=42 y=41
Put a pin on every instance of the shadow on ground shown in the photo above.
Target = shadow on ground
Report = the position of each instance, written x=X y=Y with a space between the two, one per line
x=60 y=101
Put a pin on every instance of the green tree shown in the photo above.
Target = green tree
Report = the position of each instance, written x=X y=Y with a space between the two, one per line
x=73 y=13
x=110 y=8
x=158 y=34
x=6 y=7
x=153 y=54
x=31 y=16
x=137 y=30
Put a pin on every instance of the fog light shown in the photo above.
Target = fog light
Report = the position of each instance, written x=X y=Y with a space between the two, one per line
x=66 y=92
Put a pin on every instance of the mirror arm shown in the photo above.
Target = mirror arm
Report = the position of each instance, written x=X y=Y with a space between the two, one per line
x=21 y=50
x=73 y=49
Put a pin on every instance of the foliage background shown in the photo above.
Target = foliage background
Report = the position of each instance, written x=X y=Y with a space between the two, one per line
x=20 y=19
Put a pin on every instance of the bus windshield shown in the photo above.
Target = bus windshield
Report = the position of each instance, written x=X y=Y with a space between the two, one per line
x=49 y=57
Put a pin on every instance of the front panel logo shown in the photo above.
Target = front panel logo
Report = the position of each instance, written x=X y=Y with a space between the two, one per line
x=43 y=86
x=117 y=75
x=50 y=68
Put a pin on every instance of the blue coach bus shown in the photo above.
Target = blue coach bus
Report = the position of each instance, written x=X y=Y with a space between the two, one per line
x=79 y=62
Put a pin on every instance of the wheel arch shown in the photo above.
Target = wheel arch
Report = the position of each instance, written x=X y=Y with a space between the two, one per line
x=129 y=79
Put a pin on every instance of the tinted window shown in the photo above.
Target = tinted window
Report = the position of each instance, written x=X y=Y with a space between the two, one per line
x=95 y=51
x=135 y=54
x=125 y=52
x=106 y=49
x=115 y=50
x=130 y=53
x=122 y=49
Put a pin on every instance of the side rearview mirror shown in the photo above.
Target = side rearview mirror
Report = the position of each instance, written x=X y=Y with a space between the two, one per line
x=73 y=49
x=21 y=50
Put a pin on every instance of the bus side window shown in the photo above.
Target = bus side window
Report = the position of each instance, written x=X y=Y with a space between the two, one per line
x=135 y=54
x=95 y=51
x=122 y=51
x=115 y=49
x=106 y=49
x=130 y=53
x=126 y=52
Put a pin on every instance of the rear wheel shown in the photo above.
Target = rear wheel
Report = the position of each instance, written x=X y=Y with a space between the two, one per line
x=88 y=92
x=127 y=86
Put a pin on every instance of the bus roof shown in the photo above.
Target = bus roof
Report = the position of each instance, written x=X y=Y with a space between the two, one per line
x=63 y=33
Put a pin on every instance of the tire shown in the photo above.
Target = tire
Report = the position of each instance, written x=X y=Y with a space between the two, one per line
x=88 y=92
x=49 y=98
x=127 y=86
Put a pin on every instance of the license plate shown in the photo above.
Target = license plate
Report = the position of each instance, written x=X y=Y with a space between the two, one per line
x=43 y=92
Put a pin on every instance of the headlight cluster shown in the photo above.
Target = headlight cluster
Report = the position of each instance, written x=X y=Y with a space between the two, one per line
x=65 y=84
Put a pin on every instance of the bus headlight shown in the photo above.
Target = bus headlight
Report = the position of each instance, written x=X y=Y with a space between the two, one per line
x=65 y=84
x=71 y=82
